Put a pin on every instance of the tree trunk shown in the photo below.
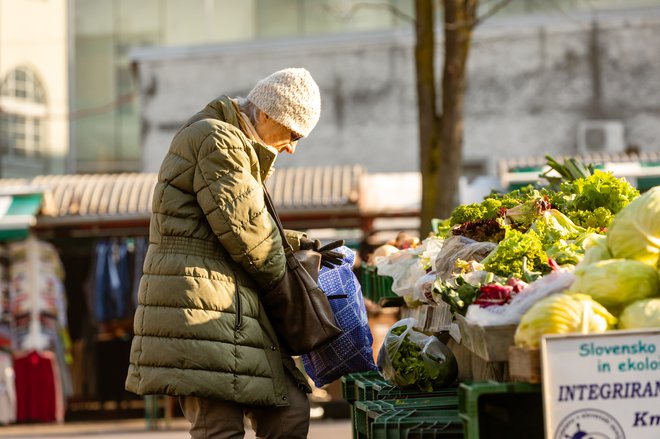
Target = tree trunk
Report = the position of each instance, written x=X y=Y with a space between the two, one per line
x=441 y=136
x=460 y=16
x=426 y=108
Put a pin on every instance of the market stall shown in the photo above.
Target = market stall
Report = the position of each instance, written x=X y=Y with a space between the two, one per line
x=548 y=300
x=96 y=228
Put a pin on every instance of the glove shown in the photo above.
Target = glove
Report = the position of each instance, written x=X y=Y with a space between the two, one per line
x=329 y=257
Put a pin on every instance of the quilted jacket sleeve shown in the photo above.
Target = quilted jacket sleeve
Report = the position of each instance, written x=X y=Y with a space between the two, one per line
x=233 y=202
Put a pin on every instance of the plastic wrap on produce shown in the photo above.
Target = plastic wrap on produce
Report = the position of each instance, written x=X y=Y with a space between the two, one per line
x=460 y=247
x=423 y=288
x=407 y=266
x=555 y=282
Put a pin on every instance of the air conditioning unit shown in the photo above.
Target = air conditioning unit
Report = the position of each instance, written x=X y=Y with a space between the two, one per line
x=600 y=136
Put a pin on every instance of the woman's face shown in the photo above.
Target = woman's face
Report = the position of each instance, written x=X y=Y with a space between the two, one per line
x=274 y=134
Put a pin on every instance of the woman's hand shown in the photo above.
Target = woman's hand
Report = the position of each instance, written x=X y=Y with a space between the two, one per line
x=329 y=257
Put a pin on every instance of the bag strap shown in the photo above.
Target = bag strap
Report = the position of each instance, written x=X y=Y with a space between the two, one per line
x=271 y=209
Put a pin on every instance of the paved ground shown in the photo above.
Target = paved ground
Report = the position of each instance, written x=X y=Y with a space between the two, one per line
x=136 y=429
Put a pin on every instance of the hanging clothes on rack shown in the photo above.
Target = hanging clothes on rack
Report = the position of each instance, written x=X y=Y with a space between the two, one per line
x=5 y=311
x=7 y=389
x=39 y=338
x=7 y=384
x=38 y=393
x=112 y=286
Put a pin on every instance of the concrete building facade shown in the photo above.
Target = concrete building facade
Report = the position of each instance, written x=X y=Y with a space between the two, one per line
x=533 y=85
x=34 y=87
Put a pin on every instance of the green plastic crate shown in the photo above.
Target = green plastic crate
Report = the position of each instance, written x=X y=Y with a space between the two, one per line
x=366 y=410
x=494 y=410
x=399 y=423
x=433 y=432
x=349 y=393
x=367 y=280
x=348 y=386
x=364 y=388
x=382 y=389
x=376 y=387
x=384 y=295
x=377 y=288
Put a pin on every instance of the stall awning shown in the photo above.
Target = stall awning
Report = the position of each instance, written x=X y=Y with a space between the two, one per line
x=81 y=204
x=17 y=214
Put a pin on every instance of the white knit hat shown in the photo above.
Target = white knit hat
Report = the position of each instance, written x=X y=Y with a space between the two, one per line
x=291 y=97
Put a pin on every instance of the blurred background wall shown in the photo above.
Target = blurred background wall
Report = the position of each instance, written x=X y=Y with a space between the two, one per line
x=111 y=80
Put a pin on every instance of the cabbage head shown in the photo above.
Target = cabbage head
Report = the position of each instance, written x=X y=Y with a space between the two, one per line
x=562 y=313
x=595 y=249
x=615 y=283
x=635 y=231
x=641 y=314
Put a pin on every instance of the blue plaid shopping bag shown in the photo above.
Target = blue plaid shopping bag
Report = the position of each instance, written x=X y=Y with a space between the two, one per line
x=351 y=351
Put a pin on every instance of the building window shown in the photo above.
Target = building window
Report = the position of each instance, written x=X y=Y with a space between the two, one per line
x=22 y=115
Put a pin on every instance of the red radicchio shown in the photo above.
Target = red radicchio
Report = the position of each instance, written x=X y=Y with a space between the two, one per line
x=496 y=294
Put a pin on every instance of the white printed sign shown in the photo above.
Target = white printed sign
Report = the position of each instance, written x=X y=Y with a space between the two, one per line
x=602 y=386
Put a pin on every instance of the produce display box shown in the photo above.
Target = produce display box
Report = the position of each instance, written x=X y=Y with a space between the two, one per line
x=525 y=364
x=366 y=411
x=489 y=342
x=493 y=410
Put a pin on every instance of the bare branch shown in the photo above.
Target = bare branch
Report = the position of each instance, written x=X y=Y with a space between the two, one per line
x=373 y=5
x=477 y=21
x=492 y=11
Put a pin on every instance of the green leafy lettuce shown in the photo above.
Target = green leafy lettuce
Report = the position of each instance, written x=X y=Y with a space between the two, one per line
x=509 y=257
x=594 y=200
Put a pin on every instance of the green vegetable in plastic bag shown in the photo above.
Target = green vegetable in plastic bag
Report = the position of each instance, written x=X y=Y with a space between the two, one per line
x=562 y=313
x=615 y=283
x=641 y=314
x=635 y=231
x=411 y=359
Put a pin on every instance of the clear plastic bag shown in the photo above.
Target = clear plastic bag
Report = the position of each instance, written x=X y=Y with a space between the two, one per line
x=411 y=359
x=510 y=314
x=460 y=247
x=407 y=266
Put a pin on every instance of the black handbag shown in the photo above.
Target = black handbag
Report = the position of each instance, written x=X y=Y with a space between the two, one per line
x=296 y=307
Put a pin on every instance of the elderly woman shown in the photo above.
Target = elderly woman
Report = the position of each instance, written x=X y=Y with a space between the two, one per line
x=201 y=331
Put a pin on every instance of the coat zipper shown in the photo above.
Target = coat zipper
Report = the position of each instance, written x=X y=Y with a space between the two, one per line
x=238 y=303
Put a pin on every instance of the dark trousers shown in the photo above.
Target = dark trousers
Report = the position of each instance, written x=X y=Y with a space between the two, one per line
x=216 y=419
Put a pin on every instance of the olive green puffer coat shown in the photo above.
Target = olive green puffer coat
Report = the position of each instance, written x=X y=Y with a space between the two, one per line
x=200 y=328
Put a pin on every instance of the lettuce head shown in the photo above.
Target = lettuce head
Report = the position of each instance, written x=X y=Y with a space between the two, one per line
x=615 y=283
x=595 y=249
x=635 y=231
x=641 y=314
x=561 y=313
